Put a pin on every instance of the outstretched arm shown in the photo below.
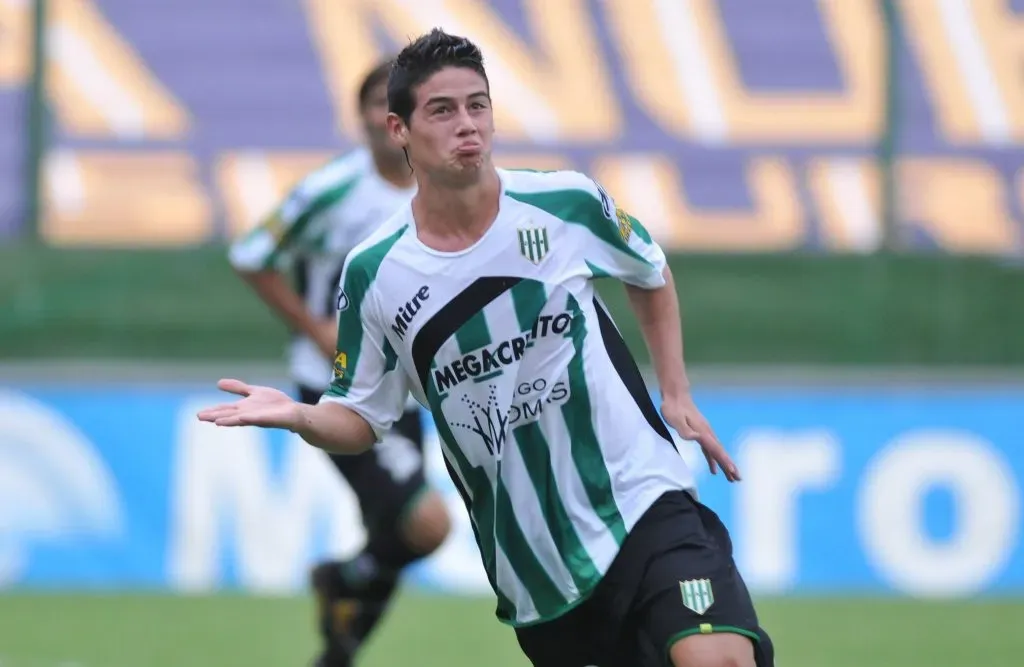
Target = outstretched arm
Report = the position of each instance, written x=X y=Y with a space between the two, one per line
x=328 y=425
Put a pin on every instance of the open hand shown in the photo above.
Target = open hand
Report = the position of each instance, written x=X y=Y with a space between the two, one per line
x=682 y=415
x=261 y=406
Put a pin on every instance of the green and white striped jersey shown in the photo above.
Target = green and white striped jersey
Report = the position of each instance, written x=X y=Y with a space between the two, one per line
x=545 y=423
x=325 y=215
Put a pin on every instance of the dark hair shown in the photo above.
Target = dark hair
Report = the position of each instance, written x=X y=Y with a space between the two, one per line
x=374 y=78
x=423 y=58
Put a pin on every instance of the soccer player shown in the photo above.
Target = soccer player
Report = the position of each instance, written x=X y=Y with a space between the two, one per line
x=312 y=231
x=478 y=298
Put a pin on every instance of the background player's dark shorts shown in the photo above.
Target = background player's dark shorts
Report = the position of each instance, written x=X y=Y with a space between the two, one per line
x=388 y=478
x=637 y=611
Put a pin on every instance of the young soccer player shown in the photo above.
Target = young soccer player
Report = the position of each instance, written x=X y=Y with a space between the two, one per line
x=478 y=298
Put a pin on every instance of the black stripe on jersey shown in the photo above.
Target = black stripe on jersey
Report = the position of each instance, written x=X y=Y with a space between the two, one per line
x=628 y=371
x=300 y=280
x=331 y=306
x=300 y=275
x=453 y=315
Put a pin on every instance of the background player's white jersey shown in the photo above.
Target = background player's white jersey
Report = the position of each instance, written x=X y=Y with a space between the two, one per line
x=324 y=216
x=545 y=423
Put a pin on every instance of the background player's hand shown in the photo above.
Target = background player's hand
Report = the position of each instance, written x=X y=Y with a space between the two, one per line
x=682 y=415
x=327 y=338
x=260 y=406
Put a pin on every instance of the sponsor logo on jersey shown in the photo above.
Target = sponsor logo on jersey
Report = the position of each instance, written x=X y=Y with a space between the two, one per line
x=533 y=243
x=529 y=400
x=340 y=365
x=487 y=421
x=625 y=224
x=275 y=226
x=490 y=361
x=408 y=311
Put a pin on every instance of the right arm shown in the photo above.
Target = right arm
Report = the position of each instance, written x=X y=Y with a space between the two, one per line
x=328 y=425
x=365 y=398
x=334 y=428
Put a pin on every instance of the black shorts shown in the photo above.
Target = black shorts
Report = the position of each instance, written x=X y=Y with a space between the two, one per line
x=387 y=479
x=673 y=577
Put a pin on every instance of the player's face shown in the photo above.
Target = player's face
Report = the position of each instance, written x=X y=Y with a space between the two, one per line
x=375 y=120
x=450 y=132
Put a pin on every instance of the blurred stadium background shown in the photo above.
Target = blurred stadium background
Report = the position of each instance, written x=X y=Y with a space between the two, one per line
x=841 y=184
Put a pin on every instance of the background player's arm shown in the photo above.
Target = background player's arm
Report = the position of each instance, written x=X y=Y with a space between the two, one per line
x=275 y=291
x=258 y=259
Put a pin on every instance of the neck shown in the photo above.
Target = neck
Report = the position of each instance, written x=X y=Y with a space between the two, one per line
x=393 y=169
x=454 y=218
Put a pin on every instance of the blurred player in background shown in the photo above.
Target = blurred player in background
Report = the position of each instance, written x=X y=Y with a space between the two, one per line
x=310 y=233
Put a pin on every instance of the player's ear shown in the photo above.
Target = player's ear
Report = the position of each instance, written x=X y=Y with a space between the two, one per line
x=397 y=130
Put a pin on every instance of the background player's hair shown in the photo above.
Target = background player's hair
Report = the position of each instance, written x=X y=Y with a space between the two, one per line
x=374 y=78
x=421 y=59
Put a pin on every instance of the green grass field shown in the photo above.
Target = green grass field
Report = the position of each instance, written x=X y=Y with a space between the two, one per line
x=224 y=631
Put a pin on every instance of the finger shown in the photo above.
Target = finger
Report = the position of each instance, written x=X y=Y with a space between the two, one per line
x=234 y=387
x=216 y=412
x=718 y=457
x=729 y=467
x=232 y=420
x=712 y=465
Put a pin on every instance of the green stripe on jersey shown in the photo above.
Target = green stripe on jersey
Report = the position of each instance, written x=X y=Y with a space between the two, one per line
x=582 y=208
x=528 y=298
x=359 y=276
x=536 y=453
x=584 y=445
x=474 y=334
x=546 y=596
x=479 y=497
x=495 y=524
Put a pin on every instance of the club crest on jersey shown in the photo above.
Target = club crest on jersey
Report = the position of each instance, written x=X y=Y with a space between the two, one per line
x=697 y=595
x=533 y=243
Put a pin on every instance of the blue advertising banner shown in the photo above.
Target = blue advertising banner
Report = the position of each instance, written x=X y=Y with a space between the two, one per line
x=874 y=490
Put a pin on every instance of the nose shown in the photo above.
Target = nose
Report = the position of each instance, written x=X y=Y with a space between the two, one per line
x=466 y=126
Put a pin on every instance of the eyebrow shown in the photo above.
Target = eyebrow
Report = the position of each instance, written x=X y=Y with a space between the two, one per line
x=451 y=100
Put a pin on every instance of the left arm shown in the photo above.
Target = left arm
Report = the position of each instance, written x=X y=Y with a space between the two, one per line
x=657 y=312
x=620 y=247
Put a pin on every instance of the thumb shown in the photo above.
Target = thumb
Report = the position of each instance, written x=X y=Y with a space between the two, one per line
x=234 y=387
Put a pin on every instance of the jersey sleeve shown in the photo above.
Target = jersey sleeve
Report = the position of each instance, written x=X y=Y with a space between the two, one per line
x=367 y=378
x=614 y=243
x=277 y=240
